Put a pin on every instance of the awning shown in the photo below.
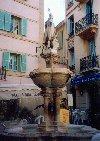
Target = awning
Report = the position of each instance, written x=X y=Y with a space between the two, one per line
x=81 y=79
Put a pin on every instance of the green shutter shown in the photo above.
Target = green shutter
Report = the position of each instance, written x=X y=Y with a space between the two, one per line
x=24 y=27
x=8 y=21
x=6 y=58
x=19 y=63
x=15 y=65
x=2 y=20
x=23 y=63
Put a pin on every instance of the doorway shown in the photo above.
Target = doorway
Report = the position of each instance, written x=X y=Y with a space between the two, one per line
x=94 y=96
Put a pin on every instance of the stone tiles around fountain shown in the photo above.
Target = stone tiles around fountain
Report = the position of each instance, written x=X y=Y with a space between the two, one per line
x=30 y=132
x=57 y=136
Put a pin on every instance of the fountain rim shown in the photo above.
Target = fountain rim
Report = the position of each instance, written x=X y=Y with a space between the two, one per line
x=52 y=71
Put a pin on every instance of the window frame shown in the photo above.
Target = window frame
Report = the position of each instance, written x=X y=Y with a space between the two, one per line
x=71 y=26
x=16 y=21
x=72 y=58
x=69 y=3
x=92 y=47
x=14 y=58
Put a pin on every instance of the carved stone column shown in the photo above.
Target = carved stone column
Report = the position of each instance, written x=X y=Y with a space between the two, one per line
x=58 y=99
x=52 y=98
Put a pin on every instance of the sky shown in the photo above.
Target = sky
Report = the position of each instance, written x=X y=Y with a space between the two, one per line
x=57 y=8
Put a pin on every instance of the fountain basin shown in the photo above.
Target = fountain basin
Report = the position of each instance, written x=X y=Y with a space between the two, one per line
x=46 y=136
x=31 y=132
x=50 y=77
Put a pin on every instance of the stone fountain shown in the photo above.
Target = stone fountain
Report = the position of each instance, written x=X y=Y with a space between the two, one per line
x=51 y=78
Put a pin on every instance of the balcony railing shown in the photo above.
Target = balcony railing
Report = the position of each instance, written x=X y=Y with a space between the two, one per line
x=87 y=25
x=2 y=73
x=71 y=34
x=89 y=62
x=72 y=67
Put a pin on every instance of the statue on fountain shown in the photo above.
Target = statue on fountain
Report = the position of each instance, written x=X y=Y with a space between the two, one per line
x=50 y=37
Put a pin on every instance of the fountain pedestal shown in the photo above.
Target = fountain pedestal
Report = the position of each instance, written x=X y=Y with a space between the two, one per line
x=52 y=109
x=52 y=98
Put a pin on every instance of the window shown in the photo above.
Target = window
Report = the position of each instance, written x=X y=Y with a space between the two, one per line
x=91 y=45
x=70 y=3
x=16 y=25
x=89 y=17
x=15 y=62
x=71 y=25
x=11 y=23
x=60 y=39
x=19 y=26
x=89 y=7
x=72 y=58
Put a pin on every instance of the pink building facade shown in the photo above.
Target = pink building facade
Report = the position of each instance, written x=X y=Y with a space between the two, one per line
x=19 y=37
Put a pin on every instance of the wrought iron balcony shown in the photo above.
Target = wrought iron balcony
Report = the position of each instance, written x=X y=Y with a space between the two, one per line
x=89 y=63
x=72 y=67
x=71 y=34
x=2 y=73
x=86 y=27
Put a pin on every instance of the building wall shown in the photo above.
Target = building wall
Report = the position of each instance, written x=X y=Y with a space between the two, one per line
x=16 y=43
x=33 y=11
x=81 y=49
x=80 y=45
x=41 y=21
x=61 y=35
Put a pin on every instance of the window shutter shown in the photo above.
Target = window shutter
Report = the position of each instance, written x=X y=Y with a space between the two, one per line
x=68 y=26
x=92 y=51
x=19 y=63
x=89 y=7
x=24 y=27
x=60 y=40
x=11 y=26
x=8 y=21
x=2 y=20
x=6 y=58
x=23 y=63
x=73 y=59
x=15 y=65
